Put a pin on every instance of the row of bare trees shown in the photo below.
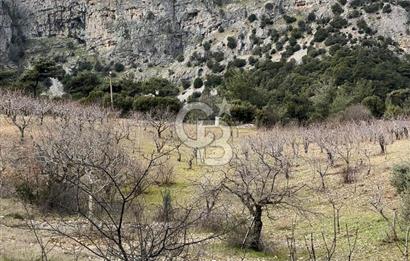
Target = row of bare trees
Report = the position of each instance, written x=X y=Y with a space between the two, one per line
x=23 y=112
x=90 y=166
x=262 y=174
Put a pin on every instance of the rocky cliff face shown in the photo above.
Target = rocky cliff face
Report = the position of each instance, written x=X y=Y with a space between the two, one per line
x=134 y=31
x=129 y=30
x=151 y=34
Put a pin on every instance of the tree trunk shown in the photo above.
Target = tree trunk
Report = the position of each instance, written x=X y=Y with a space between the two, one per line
x=90 y=211
x=256 y=230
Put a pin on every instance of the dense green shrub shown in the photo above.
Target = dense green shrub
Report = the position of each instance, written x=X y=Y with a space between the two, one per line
x=252 y=18
x=98 y=67
x=375 y=104
x=218 y=56
x=121 y=101
x=8 y=77
x=387 y=9
x=267 y=117
x=180 y=58
x=357 y=3
x=311 y=17
x=265 y=20
x=196 y=95
x=279 y=46
x=147 y=103
x=232 y=43
x=218 y=68
x=243 y=112
x=269 y=6
x=207 y=45
x=302 y=26
x=185 y=84
x=337 y=38
x=119 y=67
x=83 y=65
x=82 y=84
x=372 y=8
x=257 y=51
x=210 y=64
x=213 y=80
x=320 y=35
x=238 y=62
x=159 y=85
x=296 y=33
x=197 y=58
x=274 y=35
x=198 y=83
x=401 y=178
x=289 y=19
x=292 y=41
x=362 y=25
x=354 y=14
x=337 y=9
x=405 y=4
x=398 y=102
x=338 y=22
x=342 y=2
x=252 y=60
x=254 y=39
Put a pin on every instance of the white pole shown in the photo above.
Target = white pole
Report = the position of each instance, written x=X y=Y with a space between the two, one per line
x=111 y=92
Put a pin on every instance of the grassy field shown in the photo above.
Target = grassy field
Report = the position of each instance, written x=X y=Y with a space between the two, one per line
x=353 y=200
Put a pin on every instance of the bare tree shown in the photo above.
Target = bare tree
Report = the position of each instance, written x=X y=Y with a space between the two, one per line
x=350 y=243
x=165 y=173
x=19 y=111
x=378 y=205
x=258 y=178
x=108 y=185
x=310 y=246
x=320 y=167
x=160 y=121
x=330 y=247
x=46 y=246
x=291 y=242
x=396 y=229
x=43 y=108
x=211 y=191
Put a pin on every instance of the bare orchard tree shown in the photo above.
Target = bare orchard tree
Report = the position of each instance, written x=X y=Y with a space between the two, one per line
x=107 y=184
x=330 y=242
x=44 y=107
x=160 y=121
x=19 y=111
x=320 y=167
x=398 y=233
x=160 y=124
x=258 y=177
x=324 y=138
x=210 y=189
x=348 y=146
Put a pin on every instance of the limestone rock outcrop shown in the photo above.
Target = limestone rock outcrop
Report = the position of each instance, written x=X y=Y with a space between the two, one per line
x=153 y=33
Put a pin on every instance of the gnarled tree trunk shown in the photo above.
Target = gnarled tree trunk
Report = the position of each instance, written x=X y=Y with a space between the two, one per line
x=255 y=232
